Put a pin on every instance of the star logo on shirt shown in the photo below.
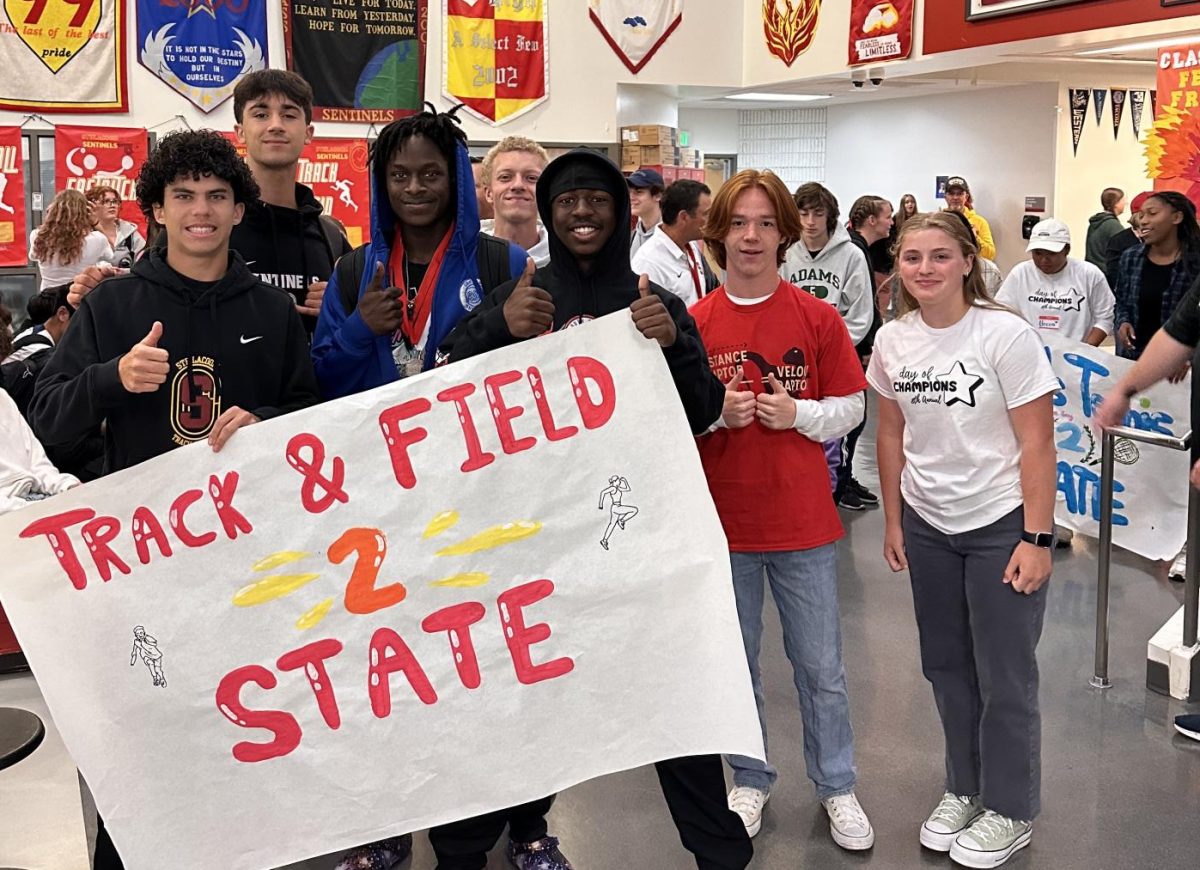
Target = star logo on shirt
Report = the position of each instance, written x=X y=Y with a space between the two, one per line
x=1074 y=301
x=965 y=385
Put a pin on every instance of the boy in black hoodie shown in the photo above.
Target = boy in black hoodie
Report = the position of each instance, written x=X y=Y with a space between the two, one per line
x=189 y=345
x=584 y=201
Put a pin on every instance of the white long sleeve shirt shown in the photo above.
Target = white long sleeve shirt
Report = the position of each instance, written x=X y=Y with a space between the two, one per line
x=26 y=475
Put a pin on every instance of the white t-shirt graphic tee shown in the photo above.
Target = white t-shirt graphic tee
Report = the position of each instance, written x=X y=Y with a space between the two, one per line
x=955 y=387
x=1068 y=303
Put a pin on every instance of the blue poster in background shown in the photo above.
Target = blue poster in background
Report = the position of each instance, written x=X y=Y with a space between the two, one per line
x=202 y=47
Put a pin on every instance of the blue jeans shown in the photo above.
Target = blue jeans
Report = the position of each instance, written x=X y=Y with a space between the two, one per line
x=804 y=586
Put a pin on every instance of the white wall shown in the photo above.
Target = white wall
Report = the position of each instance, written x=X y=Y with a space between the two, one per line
x=1001 y=140
x=583 y=80
x=1102 y=161
x=713 y=131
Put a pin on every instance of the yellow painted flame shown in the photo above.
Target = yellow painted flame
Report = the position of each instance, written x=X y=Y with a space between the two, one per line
x=270 y=588
x=462 y=581
x=314 y=616
x=285 y=557
x=440 y=523
x=496 y=536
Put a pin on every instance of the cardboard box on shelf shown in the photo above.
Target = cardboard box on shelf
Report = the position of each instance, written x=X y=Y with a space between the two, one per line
x=657 y=134
x=631 y=155
x=654 y=155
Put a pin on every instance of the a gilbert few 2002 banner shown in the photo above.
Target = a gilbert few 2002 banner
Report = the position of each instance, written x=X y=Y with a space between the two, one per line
x=495 y=60
x=63 y=56
x=365 y=59
x=201 y=48
x=85 y=157
x=13 y=243
x=349 y=622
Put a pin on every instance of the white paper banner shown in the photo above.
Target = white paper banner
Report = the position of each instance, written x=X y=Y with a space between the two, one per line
x=356 y=621
x=1150 y=483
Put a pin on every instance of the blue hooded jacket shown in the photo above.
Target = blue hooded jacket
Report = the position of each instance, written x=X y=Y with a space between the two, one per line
x=347 y=355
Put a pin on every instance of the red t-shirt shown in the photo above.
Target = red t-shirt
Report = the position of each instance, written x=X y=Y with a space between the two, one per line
x=771 y=487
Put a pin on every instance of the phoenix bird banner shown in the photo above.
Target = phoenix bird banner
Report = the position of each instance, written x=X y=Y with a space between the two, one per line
x=789 y=27
x=63 y=56
x=340 y=627
x=495 y=61
x=636 y=29
x=201 y=47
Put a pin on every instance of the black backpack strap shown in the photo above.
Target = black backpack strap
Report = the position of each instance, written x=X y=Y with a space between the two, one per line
x=32 y=339
x=492 y=259
x=349 y=271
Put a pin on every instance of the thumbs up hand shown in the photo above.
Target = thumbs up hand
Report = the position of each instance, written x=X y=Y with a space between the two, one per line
x=145 y=367
x=650 y=315
x=529 y=310
x=775 y=409
x=739 y=407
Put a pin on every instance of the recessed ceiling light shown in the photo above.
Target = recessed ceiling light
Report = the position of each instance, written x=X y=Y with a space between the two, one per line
x=778 y=98
x=1136 y=46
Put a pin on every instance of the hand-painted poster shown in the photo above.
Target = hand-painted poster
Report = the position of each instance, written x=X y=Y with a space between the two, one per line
x=336 y=170
x=1150 y=488
x=635 y=29
x=201 y=48
x=13 y=247
x=63 y=56
x=88 y=156
x=880 y=31
x=340 y=627
x=789 y=26
x=365 y=59
x=495 y=59
x=1171 y=153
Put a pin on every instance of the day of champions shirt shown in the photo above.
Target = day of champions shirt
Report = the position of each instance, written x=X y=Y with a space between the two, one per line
x=771 y=487
x=955 y=387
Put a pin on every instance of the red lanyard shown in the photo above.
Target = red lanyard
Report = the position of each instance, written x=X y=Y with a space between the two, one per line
x=416 y=315
x=687 y=249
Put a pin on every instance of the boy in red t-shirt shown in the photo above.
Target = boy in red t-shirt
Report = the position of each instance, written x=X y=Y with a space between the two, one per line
x=793 y=381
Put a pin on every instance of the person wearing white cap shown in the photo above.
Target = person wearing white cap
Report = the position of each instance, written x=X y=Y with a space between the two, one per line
x=1057 y=293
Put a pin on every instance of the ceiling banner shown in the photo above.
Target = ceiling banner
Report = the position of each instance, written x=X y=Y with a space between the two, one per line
x=1118 y=109
x=1079 y=107
x=634 y=29
x=789 y=27
x=1098 y=97
x=880 y=31
x=494 y=57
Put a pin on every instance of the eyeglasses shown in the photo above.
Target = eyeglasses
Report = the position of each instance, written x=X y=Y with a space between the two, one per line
x=110 y=202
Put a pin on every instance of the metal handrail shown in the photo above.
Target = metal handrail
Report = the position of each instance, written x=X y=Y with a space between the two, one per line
x=1191 y=595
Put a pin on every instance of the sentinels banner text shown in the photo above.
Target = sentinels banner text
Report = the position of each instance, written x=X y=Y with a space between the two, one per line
x=343 y=626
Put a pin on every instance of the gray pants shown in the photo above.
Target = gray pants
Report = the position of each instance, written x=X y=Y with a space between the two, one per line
x=978 y=641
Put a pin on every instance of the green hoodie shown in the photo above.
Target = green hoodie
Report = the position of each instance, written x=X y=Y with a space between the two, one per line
x=1102 y=226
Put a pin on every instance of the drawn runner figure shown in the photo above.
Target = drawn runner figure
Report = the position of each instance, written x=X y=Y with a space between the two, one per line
x=342 y=186
x=147 y=647
x=619 y=514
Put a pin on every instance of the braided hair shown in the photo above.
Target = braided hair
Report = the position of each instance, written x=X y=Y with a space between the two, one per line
x=441 y=128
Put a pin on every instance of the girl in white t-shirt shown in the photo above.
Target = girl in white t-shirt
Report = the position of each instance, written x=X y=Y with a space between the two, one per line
x=66 y=244
x=967 y=467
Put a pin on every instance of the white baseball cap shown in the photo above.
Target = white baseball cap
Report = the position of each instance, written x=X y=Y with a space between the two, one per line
x=1049 y=235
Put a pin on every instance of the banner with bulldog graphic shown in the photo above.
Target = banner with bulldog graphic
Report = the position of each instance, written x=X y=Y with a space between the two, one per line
x=63 y=56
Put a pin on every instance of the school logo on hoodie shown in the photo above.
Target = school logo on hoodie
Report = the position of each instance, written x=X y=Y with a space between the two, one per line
x=195 y=400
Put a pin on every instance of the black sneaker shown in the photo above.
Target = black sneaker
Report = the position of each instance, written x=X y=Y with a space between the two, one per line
x=850 y=501
x=864 y=495
x=1188 y=725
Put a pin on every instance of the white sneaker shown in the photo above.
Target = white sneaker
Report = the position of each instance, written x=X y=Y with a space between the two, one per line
x=748 y=802
x=1178 y=571
x=990 y=841
x=849 y=825
x=951 y=817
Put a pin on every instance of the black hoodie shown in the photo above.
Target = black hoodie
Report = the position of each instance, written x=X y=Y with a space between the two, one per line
x=237 y=341
x=289 y=248
x=610 y=286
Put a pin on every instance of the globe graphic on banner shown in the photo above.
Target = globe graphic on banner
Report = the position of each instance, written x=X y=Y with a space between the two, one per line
x=391 y=78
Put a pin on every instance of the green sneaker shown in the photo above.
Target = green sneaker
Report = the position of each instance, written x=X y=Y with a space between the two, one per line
x=951 y=817
x=990 y=841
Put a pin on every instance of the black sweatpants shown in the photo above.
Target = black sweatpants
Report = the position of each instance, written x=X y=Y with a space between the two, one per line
x=694 y=789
